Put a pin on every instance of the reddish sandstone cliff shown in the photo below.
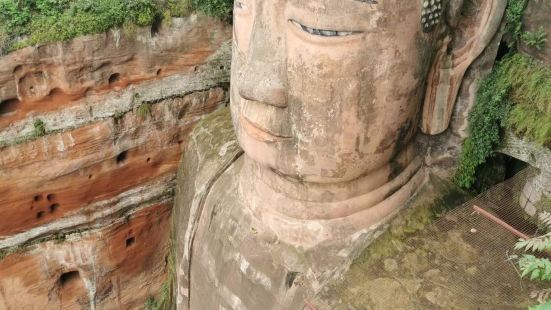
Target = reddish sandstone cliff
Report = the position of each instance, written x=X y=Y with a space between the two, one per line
x=91 y=132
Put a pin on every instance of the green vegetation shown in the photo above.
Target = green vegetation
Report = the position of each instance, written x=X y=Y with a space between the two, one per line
x=178 y=7
x=164 y=302
x=516 y=95
x=545 y=306
x=513 y=15
x=536 y=39
x=536 y=268
x=144 y=110
x=530 y=83
x=488 y=116
x=532 y=123
x=28 y=22
x=39 y=128
x=506 y=101
x=219 y=8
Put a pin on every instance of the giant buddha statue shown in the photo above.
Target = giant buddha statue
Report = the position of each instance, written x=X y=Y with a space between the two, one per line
x=326 y=99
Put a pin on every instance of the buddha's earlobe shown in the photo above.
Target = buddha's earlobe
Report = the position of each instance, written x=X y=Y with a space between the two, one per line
x=453 y=59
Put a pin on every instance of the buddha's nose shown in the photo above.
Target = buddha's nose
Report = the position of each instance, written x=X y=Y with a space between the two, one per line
x=262 y=76
x=262 y=88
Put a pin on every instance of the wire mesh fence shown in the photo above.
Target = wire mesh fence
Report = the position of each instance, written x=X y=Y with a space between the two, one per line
x=465 y=259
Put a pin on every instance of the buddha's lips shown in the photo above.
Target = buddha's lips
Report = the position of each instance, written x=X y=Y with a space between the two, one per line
x=258 y=133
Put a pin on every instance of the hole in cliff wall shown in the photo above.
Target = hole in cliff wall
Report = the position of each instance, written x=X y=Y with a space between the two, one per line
x=9 y=106
x=50 y=197
x=17 y=69
x=72 y=292
x=156 y=25
x=502 y=50
x=56 y=92
x=90 y=176
x=114 y=78
x=513 y=166
x=88 y=91
x=40 y=215
x=290 y=278
x=148 y=160
x=69 y=278
x=159 y=71
x=54 y=207
x=496 y=169
x=37 y=198
x=130 y=241
x=121 y=158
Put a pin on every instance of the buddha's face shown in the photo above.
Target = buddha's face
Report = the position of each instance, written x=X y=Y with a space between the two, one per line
x=329 y=90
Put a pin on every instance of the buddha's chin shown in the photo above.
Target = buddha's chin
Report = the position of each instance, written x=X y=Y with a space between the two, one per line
x=280 y=158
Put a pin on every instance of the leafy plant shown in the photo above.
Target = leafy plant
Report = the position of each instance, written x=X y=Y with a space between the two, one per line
x=141 y=12
x=14 y=15
x=532 y=123
x=29 y=22
x=143 y=110
x=531 y=114
x=536 y=39
x=513 y=16
x=179 y=7
x=488 y=116
x=39 y=128
x=544 y=306
x=150 y=303
x=218 y=8
x=164 y=302
x=534 y=267
x=506 y=101
x=492 y=105
x=537 y=244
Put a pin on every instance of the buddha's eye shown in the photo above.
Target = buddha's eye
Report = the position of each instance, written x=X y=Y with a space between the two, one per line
x=323 y=32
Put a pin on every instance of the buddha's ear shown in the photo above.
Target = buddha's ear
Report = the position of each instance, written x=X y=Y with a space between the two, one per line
x=472 y=29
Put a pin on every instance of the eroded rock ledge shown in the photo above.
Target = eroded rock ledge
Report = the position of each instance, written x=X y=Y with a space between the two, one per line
x=85 y=202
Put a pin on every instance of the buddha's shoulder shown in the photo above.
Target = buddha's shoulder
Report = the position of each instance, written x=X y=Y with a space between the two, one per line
x=212 y=148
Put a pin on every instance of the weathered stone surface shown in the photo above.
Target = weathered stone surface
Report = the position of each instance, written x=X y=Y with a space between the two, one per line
x=254 y=269
x=45 y=78
x=114 y=267
x=326 y=119
x=536 y=17
x=472 y=33
x=112 y=104
x=536 y=193
x=529 y=152
x=58 y=175
x=117 y=111
x=443 y=150
x=212 y=148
